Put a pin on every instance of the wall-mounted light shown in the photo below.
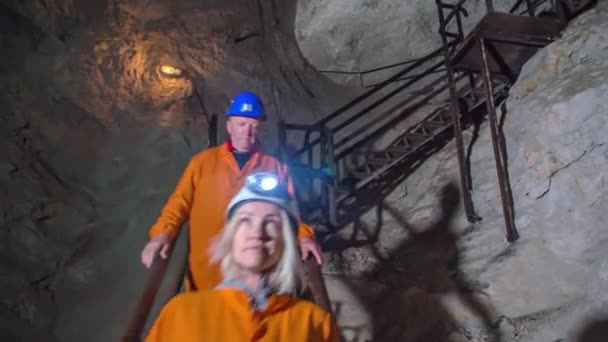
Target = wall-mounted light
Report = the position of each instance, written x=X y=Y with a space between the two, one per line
x=170 y=71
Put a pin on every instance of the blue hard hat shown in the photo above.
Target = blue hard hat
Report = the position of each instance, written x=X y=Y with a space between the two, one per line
x=246 y=104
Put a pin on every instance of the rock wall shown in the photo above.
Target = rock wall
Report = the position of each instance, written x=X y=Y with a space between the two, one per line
x=426 y=274
x=93 y=138
x=357 y=35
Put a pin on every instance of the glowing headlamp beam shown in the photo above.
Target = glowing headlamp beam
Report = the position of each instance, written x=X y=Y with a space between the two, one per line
x=268 y=183
x=263 y=182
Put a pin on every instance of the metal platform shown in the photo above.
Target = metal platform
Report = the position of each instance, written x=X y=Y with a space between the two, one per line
x=511 y=40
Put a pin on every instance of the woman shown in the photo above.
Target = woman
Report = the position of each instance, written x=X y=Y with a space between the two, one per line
x=259 y=260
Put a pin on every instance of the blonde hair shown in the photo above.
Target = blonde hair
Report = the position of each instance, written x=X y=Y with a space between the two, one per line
x=283 y=278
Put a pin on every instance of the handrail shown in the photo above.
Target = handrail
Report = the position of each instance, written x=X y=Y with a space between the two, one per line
x=321 y=123
x=412 y=76
x=376 y=89
x=156 y=274
x=317 y=284
x=530 y=6
x=391 y=123
x=140 y=314
x=380 y=101
x=369 y=71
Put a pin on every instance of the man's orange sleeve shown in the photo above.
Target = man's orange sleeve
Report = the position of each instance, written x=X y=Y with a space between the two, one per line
x=304 y=230
x=176 y=210
x=164 y=327
x=330 y=330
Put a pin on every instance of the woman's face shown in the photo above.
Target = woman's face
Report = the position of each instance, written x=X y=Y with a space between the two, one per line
x=258 y=241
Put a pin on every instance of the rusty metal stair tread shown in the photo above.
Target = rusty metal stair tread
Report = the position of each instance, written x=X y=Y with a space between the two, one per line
x=435 y=124
x=379 y=162
x=366 y=177
x=471 y=105
x=420 y=139
x=501 y=28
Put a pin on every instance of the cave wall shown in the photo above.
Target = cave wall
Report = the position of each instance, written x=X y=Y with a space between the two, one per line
x=357 y=35
x=93 y=138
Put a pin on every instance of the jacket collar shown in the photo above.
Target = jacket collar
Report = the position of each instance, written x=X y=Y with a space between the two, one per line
x=231 y=148
x=237 y=294
x=259 y=297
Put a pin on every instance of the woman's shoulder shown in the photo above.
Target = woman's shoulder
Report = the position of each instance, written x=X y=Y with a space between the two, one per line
x=304 y=305
x=191 y=299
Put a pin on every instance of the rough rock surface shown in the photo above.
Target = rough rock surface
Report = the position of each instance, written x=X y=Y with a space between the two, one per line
x=357 y=35
x=429 y=275
x=93 y=139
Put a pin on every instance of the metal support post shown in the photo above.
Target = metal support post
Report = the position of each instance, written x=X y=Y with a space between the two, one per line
x=333 y=180
x=311 y=164
x=489 y=6
x=499 y=148
x=323 y=182
x=282 y=141
x=530 y=7
x=462 y=166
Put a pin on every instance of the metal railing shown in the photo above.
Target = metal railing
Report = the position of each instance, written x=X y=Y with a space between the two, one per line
x=361 y=74
x=324 y=147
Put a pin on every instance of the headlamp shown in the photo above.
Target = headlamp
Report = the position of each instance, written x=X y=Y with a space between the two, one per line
x=265 y=187
x=264 y=183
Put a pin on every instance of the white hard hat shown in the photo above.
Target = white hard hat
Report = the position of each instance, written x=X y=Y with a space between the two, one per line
x=265 y=186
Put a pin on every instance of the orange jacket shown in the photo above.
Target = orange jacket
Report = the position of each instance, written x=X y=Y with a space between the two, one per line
x=226 y=315
x=209 y=182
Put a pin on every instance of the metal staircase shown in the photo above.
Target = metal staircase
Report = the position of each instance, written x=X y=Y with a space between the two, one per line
x=479 y=69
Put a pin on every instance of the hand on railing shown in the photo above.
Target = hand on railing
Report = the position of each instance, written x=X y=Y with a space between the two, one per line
x=311 y=250
x=317 y=284
x=156 y=273
x=141 y=312
x=160 y=245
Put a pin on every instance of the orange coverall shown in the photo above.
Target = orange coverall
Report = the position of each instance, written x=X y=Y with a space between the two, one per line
x=209 y=182
x=226 y=315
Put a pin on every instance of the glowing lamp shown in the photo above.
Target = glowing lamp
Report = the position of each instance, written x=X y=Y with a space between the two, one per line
x=262 y=182
x=170 y=71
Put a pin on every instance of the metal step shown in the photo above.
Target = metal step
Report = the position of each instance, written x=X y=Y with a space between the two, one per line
x=398 y=149
x=377 y=162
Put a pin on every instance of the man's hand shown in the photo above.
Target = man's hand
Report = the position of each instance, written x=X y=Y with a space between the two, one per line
x=158 y=245
x=310 y=246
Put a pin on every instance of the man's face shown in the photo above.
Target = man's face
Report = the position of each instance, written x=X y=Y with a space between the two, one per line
x=243 y=132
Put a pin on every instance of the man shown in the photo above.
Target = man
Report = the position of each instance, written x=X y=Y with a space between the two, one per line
x=210 y=180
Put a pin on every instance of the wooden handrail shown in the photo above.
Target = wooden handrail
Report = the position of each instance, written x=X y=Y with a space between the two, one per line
x=154 y=291
x=139 y=316
x=317 y=284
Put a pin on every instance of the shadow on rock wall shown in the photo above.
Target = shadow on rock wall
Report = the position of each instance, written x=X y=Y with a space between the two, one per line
x=596 y=331
x=417 y=282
